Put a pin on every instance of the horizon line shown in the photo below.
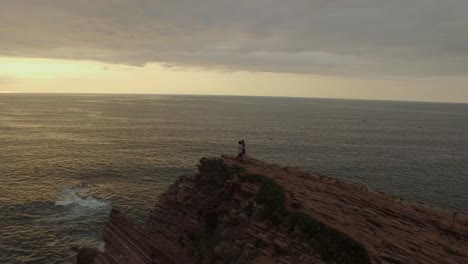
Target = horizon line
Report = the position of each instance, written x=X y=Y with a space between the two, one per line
x=233 y=95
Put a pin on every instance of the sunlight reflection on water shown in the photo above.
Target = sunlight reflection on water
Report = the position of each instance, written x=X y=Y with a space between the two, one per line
x=66 y=160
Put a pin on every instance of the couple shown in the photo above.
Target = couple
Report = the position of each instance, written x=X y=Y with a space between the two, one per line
x=241 y=150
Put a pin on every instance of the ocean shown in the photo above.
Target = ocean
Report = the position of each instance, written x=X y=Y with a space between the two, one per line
x=66 y=160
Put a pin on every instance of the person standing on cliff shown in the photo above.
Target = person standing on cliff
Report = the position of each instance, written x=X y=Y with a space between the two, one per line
x=243 y=149
x=240 y=151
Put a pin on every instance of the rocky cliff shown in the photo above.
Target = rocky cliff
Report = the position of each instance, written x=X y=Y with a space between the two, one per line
x=254 y=212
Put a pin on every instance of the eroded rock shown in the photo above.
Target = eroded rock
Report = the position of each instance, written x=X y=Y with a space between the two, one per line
x=203 y=219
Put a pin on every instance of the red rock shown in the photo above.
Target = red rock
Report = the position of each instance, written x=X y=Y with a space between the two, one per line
x=195 y=225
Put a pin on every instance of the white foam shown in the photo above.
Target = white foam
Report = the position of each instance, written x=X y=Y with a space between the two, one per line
x=78 y=197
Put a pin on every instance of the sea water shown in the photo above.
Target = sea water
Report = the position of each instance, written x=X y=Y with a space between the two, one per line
x=66 y=160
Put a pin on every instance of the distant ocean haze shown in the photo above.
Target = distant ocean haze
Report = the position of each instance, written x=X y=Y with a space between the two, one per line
x=66 y=160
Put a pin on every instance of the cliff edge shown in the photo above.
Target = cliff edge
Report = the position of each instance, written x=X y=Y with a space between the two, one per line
x=256 y=212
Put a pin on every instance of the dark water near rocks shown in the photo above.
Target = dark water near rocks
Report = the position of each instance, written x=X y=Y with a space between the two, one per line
x=65 y=160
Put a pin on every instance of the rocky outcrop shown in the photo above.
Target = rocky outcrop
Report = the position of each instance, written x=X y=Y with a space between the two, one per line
x=85 y=255
x=255 y=212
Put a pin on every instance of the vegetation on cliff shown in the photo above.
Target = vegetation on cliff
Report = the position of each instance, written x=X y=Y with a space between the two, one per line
x=255 y=212
x=332 y=245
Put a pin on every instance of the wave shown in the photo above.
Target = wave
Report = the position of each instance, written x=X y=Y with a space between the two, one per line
x=79 y=197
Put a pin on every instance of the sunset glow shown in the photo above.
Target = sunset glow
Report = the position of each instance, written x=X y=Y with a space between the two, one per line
x=337 y=49
x=35 y=68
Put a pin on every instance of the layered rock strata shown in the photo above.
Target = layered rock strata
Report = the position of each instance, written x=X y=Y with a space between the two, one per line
x=256 y=212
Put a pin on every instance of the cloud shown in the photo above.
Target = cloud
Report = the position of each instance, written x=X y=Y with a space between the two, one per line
x=336 y=37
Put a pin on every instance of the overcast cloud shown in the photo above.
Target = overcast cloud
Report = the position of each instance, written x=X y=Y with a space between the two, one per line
x=336 y=37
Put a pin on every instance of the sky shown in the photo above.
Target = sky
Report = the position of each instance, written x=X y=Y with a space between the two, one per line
x=413 y=50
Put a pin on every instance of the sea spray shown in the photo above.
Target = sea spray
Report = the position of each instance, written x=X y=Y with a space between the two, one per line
x=80 y=197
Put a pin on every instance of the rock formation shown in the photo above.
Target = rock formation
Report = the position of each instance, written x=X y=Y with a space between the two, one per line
x=255 y=212
x=86 y=255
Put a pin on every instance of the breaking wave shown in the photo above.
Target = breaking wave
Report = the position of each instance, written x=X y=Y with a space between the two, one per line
x=80 y=197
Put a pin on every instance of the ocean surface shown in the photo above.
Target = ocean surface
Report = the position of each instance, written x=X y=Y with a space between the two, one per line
x=66 y=160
